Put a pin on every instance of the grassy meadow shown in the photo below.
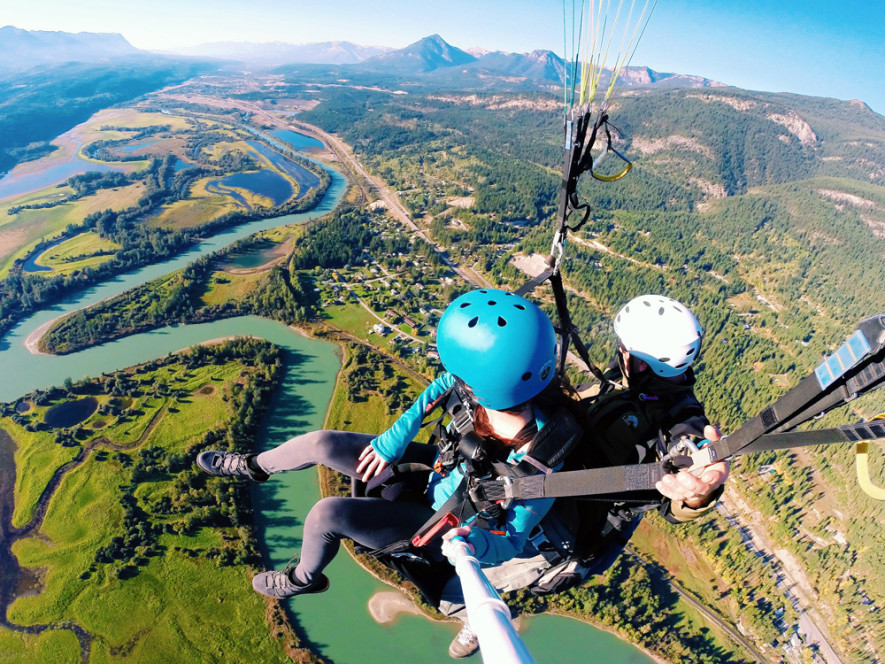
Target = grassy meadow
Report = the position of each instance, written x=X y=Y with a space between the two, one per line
x=174 y=591
x=84 y=250
x=225 y=286
x=22 y=231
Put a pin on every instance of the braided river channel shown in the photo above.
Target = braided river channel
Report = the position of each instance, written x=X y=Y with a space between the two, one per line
x=337 y=623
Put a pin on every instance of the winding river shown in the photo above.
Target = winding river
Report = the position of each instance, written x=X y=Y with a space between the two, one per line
x=337 y=623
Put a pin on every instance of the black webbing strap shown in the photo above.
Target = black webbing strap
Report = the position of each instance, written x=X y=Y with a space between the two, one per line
x=848 y=433
x=858 y=366
x=458 y=504
x=569 y=332
x=615 y=480
x=594 y=481
x=533 y=283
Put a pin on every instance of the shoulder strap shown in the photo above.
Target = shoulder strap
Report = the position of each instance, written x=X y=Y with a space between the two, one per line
x=555 y=441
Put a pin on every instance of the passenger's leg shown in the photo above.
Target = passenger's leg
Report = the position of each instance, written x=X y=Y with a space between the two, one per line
x=371 y=522
x=339 y=450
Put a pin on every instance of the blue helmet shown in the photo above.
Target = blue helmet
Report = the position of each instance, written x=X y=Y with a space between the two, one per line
x=500 y=344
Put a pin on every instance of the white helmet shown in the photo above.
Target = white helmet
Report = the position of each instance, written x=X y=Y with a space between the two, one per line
x=661 y=332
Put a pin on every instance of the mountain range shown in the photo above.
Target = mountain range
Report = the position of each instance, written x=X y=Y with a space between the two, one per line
x=23 y=49
x=281 y=53
x=430 y=56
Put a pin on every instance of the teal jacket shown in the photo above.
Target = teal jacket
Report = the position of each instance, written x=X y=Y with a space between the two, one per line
x=523 y=515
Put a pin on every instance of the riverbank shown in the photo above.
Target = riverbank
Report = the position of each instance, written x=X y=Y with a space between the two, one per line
x=32 y=342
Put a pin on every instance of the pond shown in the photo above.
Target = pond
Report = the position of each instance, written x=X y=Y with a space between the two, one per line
x=263 y=183
x=132 y=148
x=306 y=179
x=69 y=413
x=255 y=257
x=298 y=141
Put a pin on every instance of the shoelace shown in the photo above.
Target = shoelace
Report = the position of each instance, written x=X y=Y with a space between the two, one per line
x=281 y=579
x=292 y=564
x=233 y=464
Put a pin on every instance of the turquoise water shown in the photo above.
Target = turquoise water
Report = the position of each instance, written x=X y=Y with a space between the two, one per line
x=337 y=622
x=36 y=371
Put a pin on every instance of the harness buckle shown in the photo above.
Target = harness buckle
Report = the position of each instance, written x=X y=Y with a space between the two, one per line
x=557 y=251
x=507 y=501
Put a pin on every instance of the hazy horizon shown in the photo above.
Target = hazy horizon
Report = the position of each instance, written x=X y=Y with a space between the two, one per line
x=809 y=47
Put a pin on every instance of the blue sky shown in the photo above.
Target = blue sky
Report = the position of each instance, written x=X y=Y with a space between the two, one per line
x=814 y=47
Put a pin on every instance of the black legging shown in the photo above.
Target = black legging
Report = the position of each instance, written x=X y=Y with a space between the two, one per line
x=372 y=522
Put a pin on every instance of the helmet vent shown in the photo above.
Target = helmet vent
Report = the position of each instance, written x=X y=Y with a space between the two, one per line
x=690 y=351
x=483 y=292
x=646 y=303
x=527 y=375
x=663 y=359
x=464 y=305
x=679 y=366
x=473 y=321
x=520 y=307
x=661 y=311
x=501 y=322
x=492 y=303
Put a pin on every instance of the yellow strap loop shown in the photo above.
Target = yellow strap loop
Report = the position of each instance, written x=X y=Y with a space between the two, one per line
x=616 y=176
x=612 y=178
x=862 y=459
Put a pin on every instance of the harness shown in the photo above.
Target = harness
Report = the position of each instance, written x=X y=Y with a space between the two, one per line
x=482 y=461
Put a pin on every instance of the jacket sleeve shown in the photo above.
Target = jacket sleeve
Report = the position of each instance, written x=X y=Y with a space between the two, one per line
x=391 y=444
x=499 y=545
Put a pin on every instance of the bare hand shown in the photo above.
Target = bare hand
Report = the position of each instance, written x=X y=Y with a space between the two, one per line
x=460 y=531
x=371 y=464
x=694 y=490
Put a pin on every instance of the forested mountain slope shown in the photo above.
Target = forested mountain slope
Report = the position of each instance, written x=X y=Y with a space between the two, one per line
x=38 y=105
x=765 y=212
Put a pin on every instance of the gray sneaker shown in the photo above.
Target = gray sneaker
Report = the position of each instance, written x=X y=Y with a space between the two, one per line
x=279 y=585
x=464 y=644
x=229 y=463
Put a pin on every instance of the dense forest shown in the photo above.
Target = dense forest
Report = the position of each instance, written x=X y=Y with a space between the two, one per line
x=763 y=212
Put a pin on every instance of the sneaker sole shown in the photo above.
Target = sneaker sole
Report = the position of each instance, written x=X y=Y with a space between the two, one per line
x=321 y=586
